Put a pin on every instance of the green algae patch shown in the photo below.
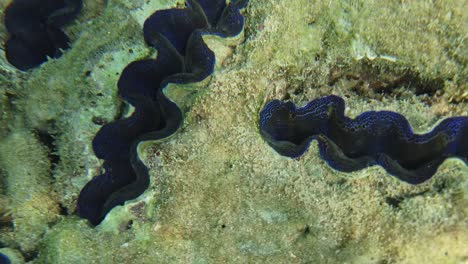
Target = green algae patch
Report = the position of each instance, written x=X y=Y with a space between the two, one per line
x=73 y=241
x=27 y=185
x=413 y=40
x=80 y=246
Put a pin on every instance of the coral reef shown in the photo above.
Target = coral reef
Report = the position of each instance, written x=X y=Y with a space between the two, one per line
x=218 y=193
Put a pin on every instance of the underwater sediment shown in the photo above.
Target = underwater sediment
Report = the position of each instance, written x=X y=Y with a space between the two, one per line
x=218 y=192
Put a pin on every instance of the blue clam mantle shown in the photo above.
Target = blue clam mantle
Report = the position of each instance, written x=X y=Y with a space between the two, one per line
x=382 y=138
x=182 y=58
x=4 y=259
x=34 y=28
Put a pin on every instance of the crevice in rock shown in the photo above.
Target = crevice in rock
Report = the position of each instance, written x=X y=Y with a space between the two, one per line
x=47 y=139
x=395 y=202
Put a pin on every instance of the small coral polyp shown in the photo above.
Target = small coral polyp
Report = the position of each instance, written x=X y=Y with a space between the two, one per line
x=183 y=57
x=35 y=30
x=382 y=138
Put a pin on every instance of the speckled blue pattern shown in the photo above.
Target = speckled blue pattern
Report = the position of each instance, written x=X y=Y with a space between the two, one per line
x=382 y=138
